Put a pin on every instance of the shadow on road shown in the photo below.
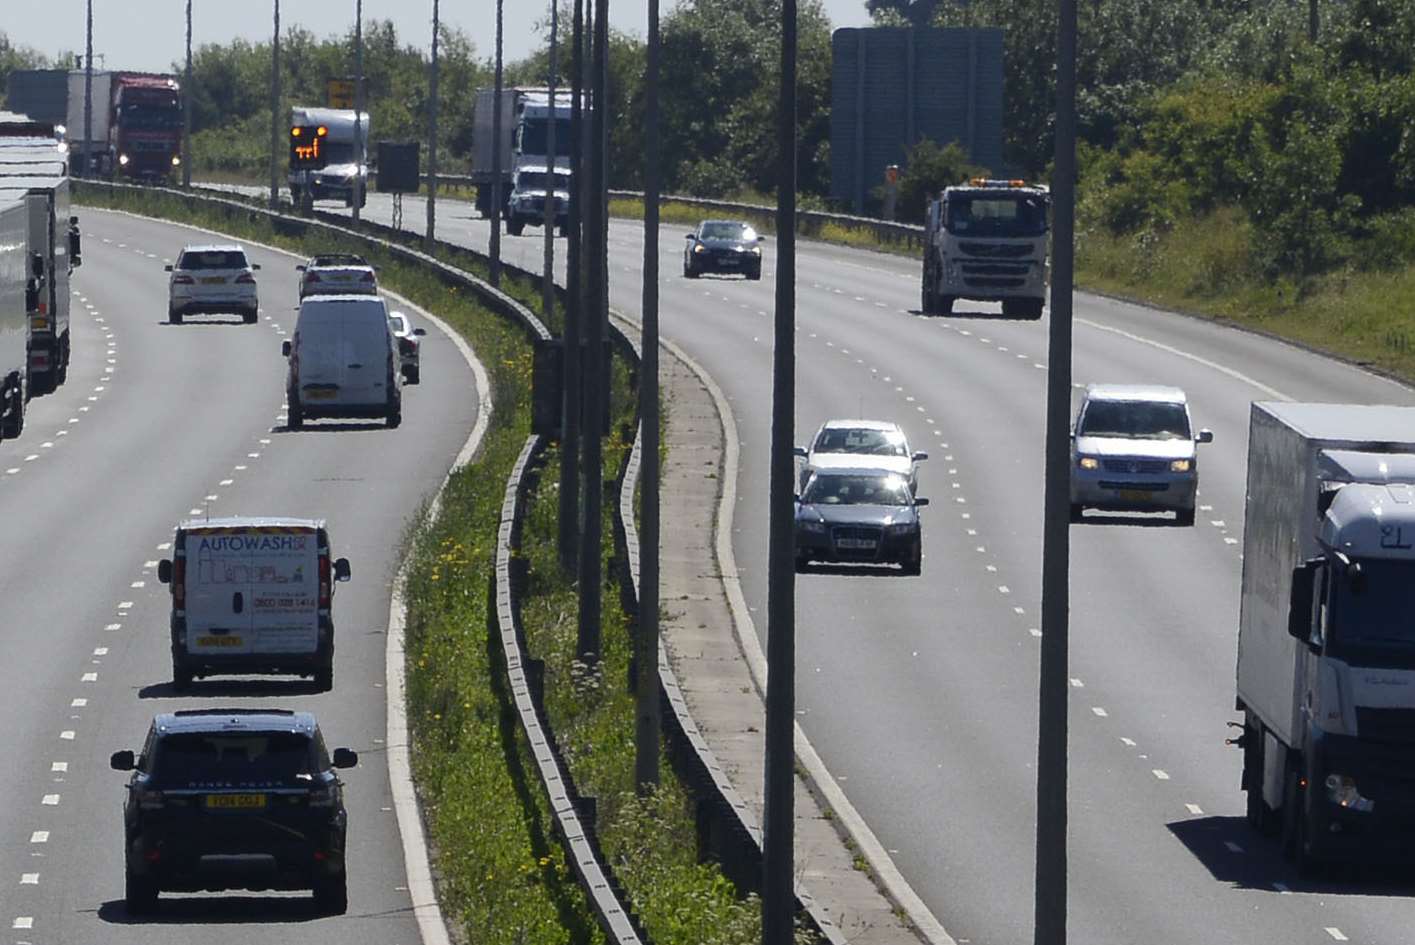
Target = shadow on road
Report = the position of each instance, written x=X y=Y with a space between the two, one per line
x=1258 y=863
x=235 y=688
x=975 y=315
x=216 y=910
x=853 y=570
x=1134 y=519
x=317 y=426
x=208 y=321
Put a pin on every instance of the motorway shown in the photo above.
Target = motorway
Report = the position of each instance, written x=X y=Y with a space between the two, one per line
x=158 y=423
x=920 y=694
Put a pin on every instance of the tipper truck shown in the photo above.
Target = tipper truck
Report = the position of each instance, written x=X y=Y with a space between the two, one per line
x=1326 y=643
x=987 y=240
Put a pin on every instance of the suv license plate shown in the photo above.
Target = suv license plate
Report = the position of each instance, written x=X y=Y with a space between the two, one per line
x=729 y=260
x=860 y=544
x=219 y=641
x=213 y=280
x=1134 y=495
x=235 y=801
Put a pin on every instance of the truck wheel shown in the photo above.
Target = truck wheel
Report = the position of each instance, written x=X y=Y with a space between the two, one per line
x=394 y=416
x=139 y=893
x=515 y=227
x=945 y=305
x=1076 y=510
x=14 y=422
x=62 y=374
x=1297 y=833
x=1034 y=309
x=295 y=415
x=1261 y=817
x=331 y=894
x=324 y=676
x=413 y=375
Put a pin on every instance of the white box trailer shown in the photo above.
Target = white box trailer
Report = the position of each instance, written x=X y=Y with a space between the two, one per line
x=1326 y=645
x=14 y=323
x=52 y=234
x=252 y=595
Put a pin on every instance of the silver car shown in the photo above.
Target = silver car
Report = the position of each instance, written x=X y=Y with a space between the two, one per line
x=337 y=274
x=850 y=444
x=1133 y=450
x=409 y=341
x=212 y=279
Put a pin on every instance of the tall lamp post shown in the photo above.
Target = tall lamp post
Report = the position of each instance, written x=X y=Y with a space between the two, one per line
x=569 y=532
x=88 y=93
x=548 y=220
x=496 y=167
x=187 y=107
x=275 y=109
x=431 y=237
x=359 y=147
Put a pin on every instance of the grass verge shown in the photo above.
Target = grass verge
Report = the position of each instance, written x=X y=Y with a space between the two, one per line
x=501 y=874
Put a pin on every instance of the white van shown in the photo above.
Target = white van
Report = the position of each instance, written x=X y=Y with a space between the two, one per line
x=252 y=595
x=343 y=361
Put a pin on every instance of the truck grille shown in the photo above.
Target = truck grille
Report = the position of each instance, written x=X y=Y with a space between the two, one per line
x=996 y=250
x=1150 y=466
x=1387 y=725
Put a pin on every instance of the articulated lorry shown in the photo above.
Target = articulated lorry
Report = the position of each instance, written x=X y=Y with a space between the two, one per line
x=135 y=118
x=987 y=240
x=526 y=116
x=14 y=328
x=1326 y=643
x=328 y=156
x=34 y=172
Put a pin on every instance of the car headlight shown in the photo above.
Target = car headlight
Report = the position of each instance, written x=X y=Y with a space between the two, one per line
x=123 y=159
x=1088 y=462
x=1341 y=789
x=901 y=528
x=699 y=248
x=1181 y=465
x=815 y=528
x=176 y=160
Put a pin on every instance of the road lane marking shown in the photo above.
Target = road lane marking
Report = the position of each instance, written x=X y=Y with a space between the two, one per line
x=67 y=735
x=1194 y=809
x=29 y=879
x=1160 y=773
x=39 y=836
x=114 y=626
x=1099 y=712
x=23 y=922
x=50 y=800
x=1129 y=742
x=1336 y=933
x=78 y=703
x=89 y=677
x=59 y=766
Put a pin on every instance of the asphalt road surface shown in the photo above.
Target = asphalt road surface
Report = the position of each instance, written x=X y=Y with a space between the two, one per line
x=159 y=423
x=920 y=693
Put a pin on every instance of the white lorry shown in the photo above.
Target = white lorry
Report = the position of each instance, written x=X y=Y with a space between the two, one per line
x=987 y=240
x=15 y=289
x=1326 y=644
x=526 y=115
x=252 y=595
x=328 y=159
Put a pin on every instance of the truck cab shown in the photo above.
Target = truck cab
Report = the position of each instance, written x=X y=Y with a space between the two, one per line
x=328 y=156
x=987 y=240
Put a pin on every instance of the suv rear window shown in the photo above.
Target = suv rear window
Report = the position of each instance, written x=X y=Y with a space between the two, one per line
x=207 y=758
x=213 y=259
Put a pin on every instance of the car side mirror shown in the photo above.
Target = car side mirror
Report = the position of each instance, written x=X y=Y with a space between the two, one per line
x=761 y=239
x=689 y=236
x=166 y=268
x=342 y=571
x=285 y=348
x=920 y=503
x=255 y=266
x=300 y=267
x=1299 y=605
x=920 y=456
x=123 y=760
x=800 y=451
x=164 y=571
x=343 y=757
x=420 y=332
x=1205 y=436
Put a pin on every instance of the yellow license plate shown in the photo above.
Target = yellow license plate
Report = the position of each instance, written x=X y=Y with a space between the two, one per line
x=219 y=641
x=235 y=801
x=213 y=280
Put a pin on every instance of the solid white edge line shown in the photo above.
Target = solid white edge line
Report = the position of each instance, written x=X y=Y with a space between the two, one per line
x=896 y=887
x=421 y=889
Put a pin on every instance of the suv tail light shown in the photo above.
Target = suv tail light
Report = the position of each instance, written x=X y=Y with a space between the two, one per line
x=324 y=586
x=179 y=581
x=322 y=796
x=148 y=799
x=183 y=280
x=245 y=278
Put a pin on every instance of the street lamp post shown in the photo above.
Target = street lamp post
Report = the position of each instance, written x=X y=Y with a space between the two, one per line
x=88 y=93
x=275 y=109
x=496 y=167
x=548 y=221
x=187 y=107
x=569 y=532
x=431 y=238
x=359 y=147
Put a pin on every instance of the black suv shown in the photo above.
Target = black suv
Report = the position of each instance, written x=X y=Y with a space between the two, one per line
x=234 y=799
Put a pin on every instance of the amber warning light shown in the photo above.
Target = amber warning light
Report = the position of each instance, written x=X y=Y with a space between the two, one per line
x=307 y=146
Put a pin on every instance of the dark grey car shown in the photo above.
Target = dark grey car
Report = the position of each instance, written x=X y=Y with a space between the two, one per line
x=859 y=516
x=723 y=246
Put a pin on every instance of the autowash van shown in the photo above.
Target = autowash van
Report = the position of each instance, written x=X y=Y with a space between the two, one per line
x=252 y=595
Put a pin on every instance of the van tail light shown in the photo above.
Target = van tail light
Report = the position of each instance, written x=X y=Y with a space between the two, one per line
x=245 y=278
x=183 y=280
x=324 y=586
x=179 y=582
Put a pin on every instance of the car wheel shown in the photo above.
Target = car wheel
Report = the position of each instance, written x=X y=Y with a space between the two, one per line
x=1076 y=509
x=755 y=275
x=914 y=564
x=174 y=317
x=690 y=271
x=250 y=317
x=324 y=676
x=1184 y=517
x=515 y=227
x=802 y=562
x=395 y=415
x=413 y=375
x=331 y=894
x=295 y=416
x=139 y=894
x=945 y=304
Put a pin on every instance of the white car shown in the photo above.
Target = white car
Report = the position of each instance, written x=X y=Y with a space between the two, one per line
x=1133 y=450
x=212 y=279
x=851 y=444
x=337 y=274
x=409 y=340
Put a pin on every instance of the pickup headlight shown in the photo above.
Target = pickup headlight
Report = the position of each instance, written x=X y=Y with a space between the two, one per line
x=1341 y=789
x=1088 y=462
x=1181 y=465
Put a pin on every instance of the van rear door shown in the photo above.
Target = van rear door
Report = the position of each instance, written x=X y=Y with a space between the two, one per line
x=218 y=562
x=252 y=590
x=284 y=602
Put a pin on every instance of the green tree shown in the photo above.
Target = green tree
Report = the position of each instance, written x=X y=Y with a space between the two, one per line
x=13 y=57
x=929 y=169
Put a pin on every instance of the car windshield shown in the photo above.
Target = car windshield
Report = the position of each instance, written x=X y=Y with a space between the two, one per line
x=233 y=758
x=212 y=259
x=336 y=259
x=535 y=180
x=535 y=134
x=997 y=215
x=729 y=231
x=868 y=442
x=1373 y=607
x=151 y=117
x=857 y=490
x=1135 y=419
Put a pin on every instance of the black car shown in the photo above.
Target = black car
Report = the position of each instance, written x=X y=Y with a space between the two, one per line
x=723 y=246
x=859 y=516
x=234 y=799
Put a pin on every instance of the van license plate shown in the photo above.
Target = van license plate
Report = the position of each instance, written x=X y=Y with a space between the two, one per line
x=235 y=801
x=319 y=394
x=219 y=641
